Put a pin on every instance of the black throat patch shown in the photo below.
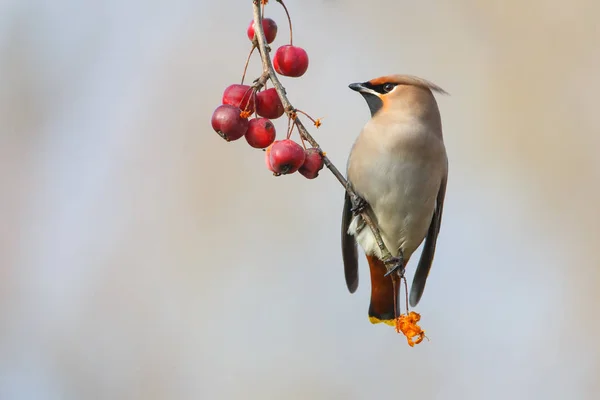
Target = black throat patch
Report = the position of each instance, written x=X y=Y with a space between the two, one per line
x=374 y=102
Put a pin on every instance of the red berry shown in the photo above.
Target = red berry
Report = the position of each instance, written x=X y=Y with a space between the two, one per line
x=313 y=163
x=228 y=123
x=286 y=156
x=268 y=159
x=269 y=26
x=290 y=61
x=261 y=133
x=268 y=104
x=240 y=96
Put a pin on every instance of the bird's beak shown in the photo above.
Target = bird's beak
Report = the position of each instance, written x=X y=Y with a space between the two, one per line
x=362 y=89
x=358 y=87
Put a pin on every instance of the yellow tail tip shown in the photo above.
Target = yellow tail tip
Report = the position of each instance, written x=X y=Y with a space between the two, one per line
x=375 y=320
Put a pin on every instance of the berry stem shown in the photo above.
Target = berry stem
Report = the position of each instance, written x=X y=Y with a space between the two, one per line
x=247 y=62
x=316 y=122
x=288 y=127
x=269 y=72
x=291 y=129
x=289 y=21
x=301 y=139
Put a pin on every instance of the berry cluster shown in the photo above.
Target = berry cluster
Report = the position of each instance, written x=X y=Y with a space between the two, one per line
x=232 y=119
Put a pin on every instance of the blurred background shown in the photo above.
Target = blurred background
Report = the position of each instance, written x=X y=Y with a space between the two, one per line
x=143 y=257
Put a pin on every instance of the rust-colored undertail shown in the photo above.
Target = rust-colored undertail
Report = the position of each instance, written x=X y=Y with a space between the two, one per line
x=382 y=307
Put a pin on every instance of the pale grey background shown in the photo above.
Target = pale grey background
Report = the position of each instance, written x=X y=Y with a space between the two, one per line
x=142 y=257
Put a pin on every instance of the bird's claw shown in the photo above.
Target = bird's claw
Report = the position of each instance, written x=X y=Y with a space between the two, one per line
x=395 y=263
x=358 y=205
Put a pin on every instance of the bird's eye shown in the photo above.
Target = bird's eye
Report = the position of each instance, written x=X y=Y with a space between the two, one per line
x=388 y=87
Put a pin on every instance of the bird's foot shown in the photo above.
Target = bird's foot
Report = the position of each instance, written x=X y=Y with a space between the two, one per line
x=395 y=264
x=358 y=205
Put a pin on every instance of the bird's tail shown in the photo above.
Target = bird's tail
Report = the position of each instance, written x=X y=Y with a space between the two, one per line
x=384 y=303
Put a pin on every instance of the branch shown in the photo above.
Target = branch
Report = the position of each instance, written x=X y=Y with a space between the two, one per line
x=269 y=73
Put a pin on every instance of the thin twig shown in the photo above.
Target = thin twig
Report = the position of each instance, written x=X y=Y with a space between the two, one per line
x=269 y=72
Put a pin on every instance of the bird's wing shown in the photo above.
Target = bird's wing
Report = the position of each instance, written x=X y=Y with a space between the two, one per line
x=418 y=285
x=349 y=250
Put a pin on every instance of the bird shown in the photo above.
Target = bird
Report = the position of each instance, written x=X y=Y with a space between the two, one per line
x=398 y=169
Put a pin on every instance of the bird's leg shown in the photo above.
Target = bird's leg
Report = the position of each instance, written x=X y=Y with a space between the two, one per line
x=394 y=264
x=358 y=205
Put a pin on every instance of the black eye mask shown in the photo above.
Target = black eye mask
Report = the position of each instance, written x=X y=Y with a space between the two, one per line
x=382 y=88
